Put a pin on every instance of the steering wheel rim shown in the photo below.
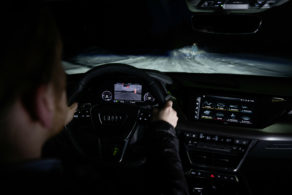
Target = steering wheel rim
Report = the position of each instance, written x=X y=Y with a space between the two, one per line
x=158 y=92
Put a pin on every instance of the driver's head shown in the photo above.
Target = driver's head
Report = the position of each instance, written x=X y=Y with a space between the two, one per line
x=32 y=80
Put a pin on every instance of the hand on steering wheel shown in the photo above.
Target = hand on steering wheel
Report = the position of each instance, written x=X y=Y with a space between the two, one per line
x=167 y=114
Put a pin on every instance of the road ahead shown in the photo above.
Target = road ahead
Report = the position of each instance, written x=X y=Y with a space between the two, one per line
x=190 y=59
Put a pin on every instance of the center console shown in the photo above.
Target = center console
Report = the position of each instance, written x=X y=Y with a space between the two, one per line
x=213 y=162
x=213 y=156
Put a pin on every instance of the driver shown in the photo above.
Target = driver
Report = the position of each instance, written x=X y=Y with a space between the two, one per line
x=34 y=108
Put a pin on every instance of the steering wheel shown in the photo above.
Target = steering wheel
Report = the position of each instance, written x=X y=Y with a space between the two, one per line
x=114 y=129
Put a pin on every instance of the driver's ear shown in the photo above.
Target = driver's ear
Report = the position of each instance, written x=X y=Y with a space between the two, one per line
x=44 y=105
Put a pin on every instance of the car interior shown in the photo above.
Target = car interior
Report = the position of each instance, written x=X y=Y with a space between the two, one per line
x=226 y=65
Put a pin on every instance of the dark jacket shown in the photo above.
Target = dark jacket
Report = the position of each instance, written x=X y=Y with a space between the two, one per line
x=165 y=160
x=164 y=171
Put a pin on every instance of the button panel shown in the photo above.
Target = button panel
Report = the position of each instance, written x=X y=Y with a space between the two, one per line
x=144 y=116
x=214 y=151
x=213 y=176
x=230 y=144
x=83 y=111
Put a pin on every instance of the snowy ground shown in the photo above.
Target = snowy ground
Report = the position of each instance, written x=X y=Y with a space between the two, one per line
x=188 y=59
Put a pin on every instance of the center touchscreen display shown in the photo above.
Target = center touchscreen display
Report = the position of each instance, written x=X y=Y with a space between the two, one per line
x=225 y=109
x=128 y=92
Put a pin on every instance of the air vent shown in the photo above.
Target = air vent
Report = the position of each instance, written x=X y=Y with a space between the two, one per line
x=215 y=160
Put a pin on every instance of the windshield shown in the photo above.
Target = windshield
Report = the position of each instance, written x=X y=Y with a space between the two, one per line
x=188 y=59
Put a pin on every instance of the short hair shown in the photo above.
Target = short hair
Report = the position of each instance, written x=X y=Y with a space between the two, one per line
x=28 y=43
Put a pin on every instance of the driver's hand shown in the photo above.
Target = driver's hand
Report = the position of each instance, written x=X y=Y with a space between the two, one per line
x=70 y=113
x=167 y=114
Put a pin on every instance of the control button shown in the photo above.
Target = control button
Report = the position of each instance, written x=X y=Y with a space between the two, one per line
x=219 y=2
x=190 y=142
x=220 y=106
x=144 y=116
x=233 y=116
x=193 y=173
x=234 y=108
x=194 y=135
x=202 y=136
x=237 y=141
x=221 y=139
x=260 y=2
x=220 y=116
x=207 y=104
x=244 y=142
x=228 y=140
x=241 y=142
x=232 y=178
x=207 y=112
x=83 y=111
x=77 y=114
x=208 y=138
x=215 y=138
x=198 y=191
x=200 y=174
x=197 y=173
x=246 y=118
x=241 y=149
x=246 y=109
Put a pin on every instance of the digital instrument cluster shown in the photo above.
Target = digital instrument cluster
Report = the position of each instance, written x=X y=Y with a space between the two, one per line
x=233 y=110
x=126 y=93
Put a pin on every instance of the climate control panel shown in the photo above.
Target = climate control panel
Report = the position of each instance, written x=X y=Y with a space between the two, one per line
x=215 y=151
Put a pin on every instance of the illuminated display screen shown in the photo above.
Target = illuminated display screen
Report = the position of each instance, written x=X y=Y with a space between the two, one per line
x=225 y=109
x=128 y=92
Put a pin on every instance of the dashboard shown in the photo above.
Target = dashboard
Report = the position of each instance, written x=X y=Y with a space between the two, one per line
x=225 y=121
x=225 y=101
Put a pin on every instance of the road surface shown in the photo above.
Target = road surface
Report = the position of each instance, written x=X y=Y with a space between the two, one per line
x=189 y=59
